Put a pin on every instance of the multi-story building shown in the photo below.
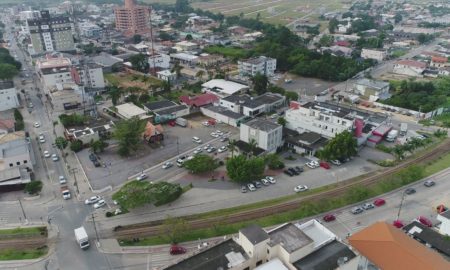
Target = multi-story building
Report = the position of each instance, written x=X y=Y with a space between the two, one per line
x=372 y=89
x=159 y=60
x=262 y=65
x=8 y=96
x=29 y=15
x=90 y=75
x=253 y=106
x=50 y=34
x=132 y=19
x=268 y=135
x=378 y=55
x=88 y=29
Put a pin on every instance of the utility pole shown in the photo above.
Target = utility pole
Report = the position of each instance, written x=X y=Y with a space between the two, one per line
x=401 y=204
x=23 y=210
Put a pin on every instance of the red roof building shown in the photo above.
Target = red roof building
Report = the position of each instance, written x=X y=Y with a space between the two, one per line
x=200 y=100
x=343 y=43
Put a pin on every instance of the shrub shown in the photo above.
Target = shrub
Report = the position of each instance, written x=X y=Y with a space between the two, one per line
x=384 y=148
x=109 y=214
x=76 y=146
x=33 y=187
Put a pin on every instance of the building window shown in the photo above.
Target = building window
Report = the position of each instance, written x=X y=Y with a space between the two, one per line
x=18 y=163
x=25 y=161
x=259 y=262
x=10 y=164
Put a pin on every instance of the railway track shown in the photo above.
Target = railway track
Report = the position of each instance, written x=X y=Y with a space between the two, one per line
x=154 y=228
x=23 y=243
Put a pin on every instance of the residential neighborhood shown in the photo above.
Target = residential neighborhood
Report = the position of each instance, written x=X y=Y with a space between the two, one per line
x=224 y=135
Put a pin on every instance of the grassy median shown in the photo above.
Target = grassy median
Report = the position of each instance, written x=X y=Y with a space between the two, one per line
x=22 y=254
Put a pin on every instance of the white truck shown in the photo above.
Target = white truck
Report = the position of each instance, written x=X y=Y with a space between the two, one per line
x=82 y=237
x=65 y=192
x=181 y=122
x=392 y=135
x=403 y=129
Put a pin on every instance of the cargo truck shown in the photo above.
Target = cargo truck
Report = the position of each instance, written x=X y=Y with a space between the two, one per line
x=403 y=129
x=82 y=237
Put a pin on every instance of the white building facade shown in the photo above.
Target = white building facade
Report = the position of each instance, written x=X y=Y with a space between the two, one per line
x=262 y=65
x=377 y=55
x=267 y=134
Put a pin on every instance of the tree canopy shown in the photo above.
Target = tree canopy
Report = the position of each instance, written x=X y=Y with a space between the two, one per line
x=139 y=62
x=200 y=164
x=242 y=169
x=343 y=145
x=7 y=71
x=260 y=83
x=129 y=135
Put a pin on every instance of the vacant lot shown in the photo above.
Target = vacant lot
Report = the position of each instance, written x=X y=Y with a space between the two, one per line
x=126 y=80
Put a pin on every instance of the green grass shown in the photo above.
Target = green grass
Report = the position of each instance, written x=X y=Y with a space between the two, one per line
x=112 y=78
x=231 y=52
x=23 y=231
x=22 y=254
x=441 y=164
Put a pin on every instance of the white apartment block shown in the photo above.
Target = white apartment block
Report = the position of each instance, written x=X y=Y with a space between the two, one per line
x=322 y=118
x=8 y=96
x=262 y=65
x=91 y=76
x=268 y=135
x=54 y=70
x=253 y=106
x=377 y=55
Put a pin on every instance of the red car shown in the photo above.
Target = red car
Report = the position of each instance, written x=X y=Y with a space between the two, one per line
x=329 y=217
x=441 y=208
x=172 y=123
x=325 y=165
x=379 y=202
x=425 y=221
x=176 y=250
x=398 y=224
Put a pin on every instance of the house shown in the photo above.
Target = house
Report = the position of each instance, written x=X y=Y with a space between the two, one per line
x=262 y=65
x=166 y=75
x=337 y=50
x=184 y=58
x=409 y=68
x=7 y=126
x=444 y=218
x=378 y=55
x=223 y=88
x=209 y=60
x=106 y=61
x=98 y=130
x=439 y=62
x=165 y=110
x=129 y=110
x=428 y=237
x=153 y=133
x=372 y=89
x=185 y=46
x=267 y=135
x=382 y=246
x=15 y=151
x=223 y=115
x=159 y=60
x=289 y=246
x=195 y=102
x=8 y=96
x=253 y=106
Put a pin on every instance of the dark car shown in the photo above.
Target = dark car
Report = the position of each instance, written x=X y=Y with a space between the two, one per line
x=298 y=169
x=92 y=157
x=293 y=171
x=329 y=217
x=176 y=250
x=410 y=191
x=96 y=163
x=288 y=172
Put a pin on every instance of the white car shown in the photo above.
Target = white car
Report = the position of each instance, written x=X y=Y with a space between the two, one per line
x=312 y=164
x=141 y=177
x=265 y=182
x=36 y=124
x=55 y=157
x=99 y=204
x=167 y=165
x=92 y=199
x=206 y=146
x=62 y=180
x=222 y=149
x=215 y=135
x=196 y=140
x=336 y=162
x=198 y=151
x=271 y=179
x=300 y=188
x=251 y=187
x=41 y=139
x=205 y=123
x=218 y=132
x=47 y=154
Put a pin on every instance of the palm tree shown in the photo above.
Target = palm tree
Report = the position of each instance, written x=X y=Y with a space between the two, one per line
x=114 y=93
x=252 y=146
x=232 y=147
x=177 y=69
x=399 y=151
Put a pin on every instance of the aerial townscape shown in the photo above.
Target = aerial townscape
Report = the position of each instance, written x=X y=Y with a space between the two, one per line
x=224 y=134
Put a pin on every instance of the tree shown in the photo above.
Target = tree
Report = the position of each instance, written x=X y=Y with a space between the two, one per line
x=290 y=95
x=252 y=145
x=199 y=75
x=232 y=147
x=188 y=37
x=343 y=145
x=398 y=17
x=139 y=62
x=260 y=83
x=282 y=121
x=98 y=146
x=273 y=162
x=326 y=40
x=133 y=194
x=182 y=6
x=174 y=229
x=423 y=38
x=200 y=164
x=242 y=169
x=33 y=187
x=7 y=71
x=129 y=135
x=114 y=93
x=76 y=145
x=165 y=36
x=399 y=152
x=332 y=25
x=61 y=142
x=137 y=39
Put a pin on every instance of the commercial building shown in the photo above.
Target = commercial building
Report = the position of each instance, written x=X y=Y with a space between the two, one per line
x=372 y=89
x=132 y=19
x=8 y=96
x=195 y=102
x=253 y=106
x=129 y=110
x=429 y=237
x=224 y=88
x=223 y=115
x=166 y=75
x=378 y=55
x=88 y=134
x=267 y=135
x=161 y=61
x=262 y=65
x=165 y=110
x=290 y=246
x=15 y=151
x=29 y=15
x=184 y=58
x=50 y=34
x=90 y=30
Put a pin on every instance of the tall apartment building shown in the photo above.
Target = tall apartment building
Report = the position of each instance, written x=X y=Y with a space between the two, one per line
x=263 y=65
x=50 y=34
x=132 y=19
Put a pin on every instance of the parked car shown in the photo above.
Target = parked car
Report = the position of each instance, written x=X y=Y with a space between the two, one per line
x=271 y=179
x=196 y=140
x=211 y=149
x=257 y=184
x=222 y=149
x=288 y=172
x=36 y=124
x=251 y=187
x=300 y=188
x=368 y=206
x=312 y=164
x=215 y=135
x=293 y=171
x=167 y=165
x=336 y=162
x=47 y=154
x=379 y=202
x=96 y=163
x=357 y=210
x=329 y=217
x=429 y=183
x=224 y=139
x=425 y=221
x=410 y=191
x=92 y=199
x=206 y=146
x=99 y=204
x=218 y=132
x=55 y=157
x=325 y=165
x=205 y=123
x=265 y=182
x=141 y=177
x=298 y=169
x=92 y=157
x=244 y=189
x=198 y=151
x=398 y=224
x=177 y=250
x=62 y=179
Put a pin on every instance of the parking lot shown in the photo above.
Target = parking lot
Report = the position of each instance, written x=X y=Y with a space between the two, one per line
x=177 y=140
